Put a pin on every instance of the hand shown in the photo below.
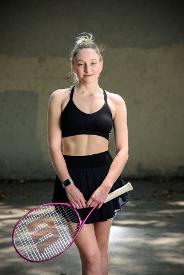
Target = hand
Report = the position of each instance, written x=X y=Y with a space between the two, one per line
x=75 y=196
x=98 y=197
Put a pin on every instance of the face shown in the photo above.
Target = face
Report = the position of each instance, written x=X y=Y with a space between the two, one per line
x=87 y=65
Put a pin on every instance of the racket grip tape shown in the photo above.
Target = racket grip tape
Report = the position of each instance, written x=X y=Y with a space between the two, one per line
x=127 y=187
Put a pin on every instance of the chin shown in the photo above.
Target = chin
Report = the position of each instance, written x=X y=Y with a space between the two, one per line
x=90 y=78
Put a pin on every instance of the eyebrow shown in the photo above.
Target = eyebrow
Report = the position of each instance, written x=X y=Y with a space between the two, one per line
x=84 y=61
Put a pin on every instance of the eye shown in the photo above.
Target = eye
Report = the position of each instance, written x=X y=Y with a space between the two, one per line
x=80 y=64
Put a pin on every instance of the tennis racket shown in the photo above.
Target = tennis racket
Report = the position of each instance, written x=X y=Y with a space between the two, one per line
x=48 y=230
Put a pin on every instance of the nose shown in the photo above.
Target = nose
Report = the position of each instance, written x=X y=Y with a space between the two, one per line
x=86 y=68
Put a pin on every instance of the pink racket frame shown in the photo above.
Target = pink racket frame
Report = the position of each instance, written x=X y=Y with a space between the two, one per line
x=80 y=225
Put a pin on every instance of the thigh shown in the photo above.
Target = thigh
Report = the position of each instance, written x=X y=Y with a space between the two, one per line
x=102 y=231
x=86 y=241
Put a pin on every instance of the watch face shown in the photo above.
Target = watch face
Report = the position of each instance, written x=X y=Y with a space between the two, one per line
x=66 y=182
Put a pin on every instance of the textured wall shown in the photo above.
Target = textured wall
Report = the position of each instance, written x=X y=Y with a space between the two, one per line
x=144 y=62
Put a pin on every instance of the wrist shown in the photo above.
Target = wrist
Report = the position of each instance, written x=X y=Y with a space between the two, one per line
x=67 y=182
x=107 y=185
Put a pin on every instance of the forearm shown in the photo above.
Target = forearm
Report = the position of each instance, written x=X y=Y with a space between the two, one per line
x=116 y=168
x=59 y=163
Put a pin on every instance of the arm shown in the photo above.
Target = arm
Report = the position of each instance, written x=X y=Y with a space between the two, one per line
x=121 y=144
x=55 y=150
x=54 y=137
x=119 y=161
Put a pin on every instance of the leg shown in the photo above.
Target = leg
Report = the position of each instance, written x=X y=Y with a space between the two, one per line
x=102 y=231
x=89 y=251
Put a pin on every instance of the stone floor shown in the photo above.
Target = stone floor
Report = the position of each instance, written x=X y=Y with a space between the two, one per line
x=146 y=237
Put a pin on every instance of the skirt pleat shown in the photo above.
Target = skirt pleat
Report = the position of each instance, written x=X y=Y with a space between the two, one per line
x=88 y=172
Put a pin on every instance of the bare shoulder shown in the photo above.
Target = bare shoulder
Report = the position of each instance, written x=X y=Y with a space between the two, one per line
x=58 y=96
x=59 y=93
x=116 y=98
x=116 y=103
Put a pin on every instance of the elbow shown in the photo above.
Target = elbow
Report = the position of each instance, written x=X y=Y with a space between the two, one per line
x=50 y=151
x=126 y=156
x=54 y=148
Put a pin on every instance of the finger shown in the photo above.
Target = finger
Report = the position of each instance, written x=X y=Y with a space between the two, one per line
x=89 y=202
x=77 y=206
x=83 y=204
x=100 y=205
x=93 y=204
x=73 y=205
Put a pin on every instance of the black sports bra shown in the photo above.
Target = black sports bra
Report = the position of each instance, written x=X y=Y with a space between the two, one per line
x=75 y=122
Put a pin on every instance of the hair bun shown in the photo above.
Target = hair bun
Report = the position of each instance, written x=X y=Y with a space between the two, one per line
x=85 y=40
x=84 y=37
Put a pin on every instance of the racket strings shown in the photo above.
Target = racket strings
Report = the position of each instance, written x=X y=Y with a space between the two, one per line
x=46 y=232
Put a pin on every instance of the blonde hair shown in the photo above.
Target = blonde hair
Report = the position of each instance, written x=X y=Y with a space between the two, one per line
x=84 y=40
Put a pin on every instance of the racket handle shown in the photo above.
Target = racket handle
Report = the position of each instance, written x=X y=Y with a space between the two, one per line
x=127 y=187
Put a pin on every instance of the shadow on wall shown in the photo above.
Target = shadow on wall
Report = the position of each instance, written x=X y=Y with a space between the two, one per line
x=20 y=150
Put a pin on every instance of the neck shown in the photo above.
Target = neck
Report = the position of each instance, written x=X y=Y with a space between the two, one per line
x=88 y=88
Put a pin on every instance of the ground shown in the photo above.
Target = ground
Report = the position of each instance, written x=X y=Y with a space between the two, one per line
x=146 y=237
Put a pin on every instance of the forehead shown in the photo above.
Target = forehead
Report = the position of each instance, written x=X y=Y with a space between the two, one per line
x=87 y=54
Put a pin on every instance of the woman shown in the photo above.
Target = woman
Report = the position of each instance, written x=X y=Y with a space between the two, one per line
x=80 y=120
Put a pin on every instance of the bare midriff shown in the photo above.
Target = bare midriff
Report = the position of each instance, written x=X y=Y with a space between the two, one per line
x=81 y=145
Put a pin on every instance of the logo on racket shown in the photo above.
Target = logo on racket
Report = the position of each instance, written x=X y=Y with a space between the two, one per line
x=43 y=232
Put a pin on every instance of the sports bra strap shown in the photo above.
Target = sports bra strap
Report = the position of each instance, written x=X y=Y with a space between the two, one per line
x=105 y=96
x=71 y=93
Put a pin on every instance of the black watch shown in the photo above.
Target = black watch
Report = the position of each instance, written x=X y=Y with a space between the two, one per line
x=66 y=182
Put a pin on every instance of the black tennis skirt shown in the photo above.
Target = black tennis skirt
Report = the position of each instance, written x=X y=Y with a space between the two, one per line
x=88 y=172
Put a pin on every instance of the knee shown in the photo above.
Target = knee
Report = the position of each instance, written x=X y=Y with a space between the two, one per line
x=93 y=258
x=103 y=248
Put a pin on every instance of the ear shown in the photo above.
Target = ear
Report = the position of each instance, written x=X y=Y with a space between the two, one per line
x=72 y=68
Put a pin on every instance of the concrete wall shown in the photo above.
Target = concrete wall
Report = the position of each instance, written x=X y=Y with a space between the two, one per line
x=144 y=62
